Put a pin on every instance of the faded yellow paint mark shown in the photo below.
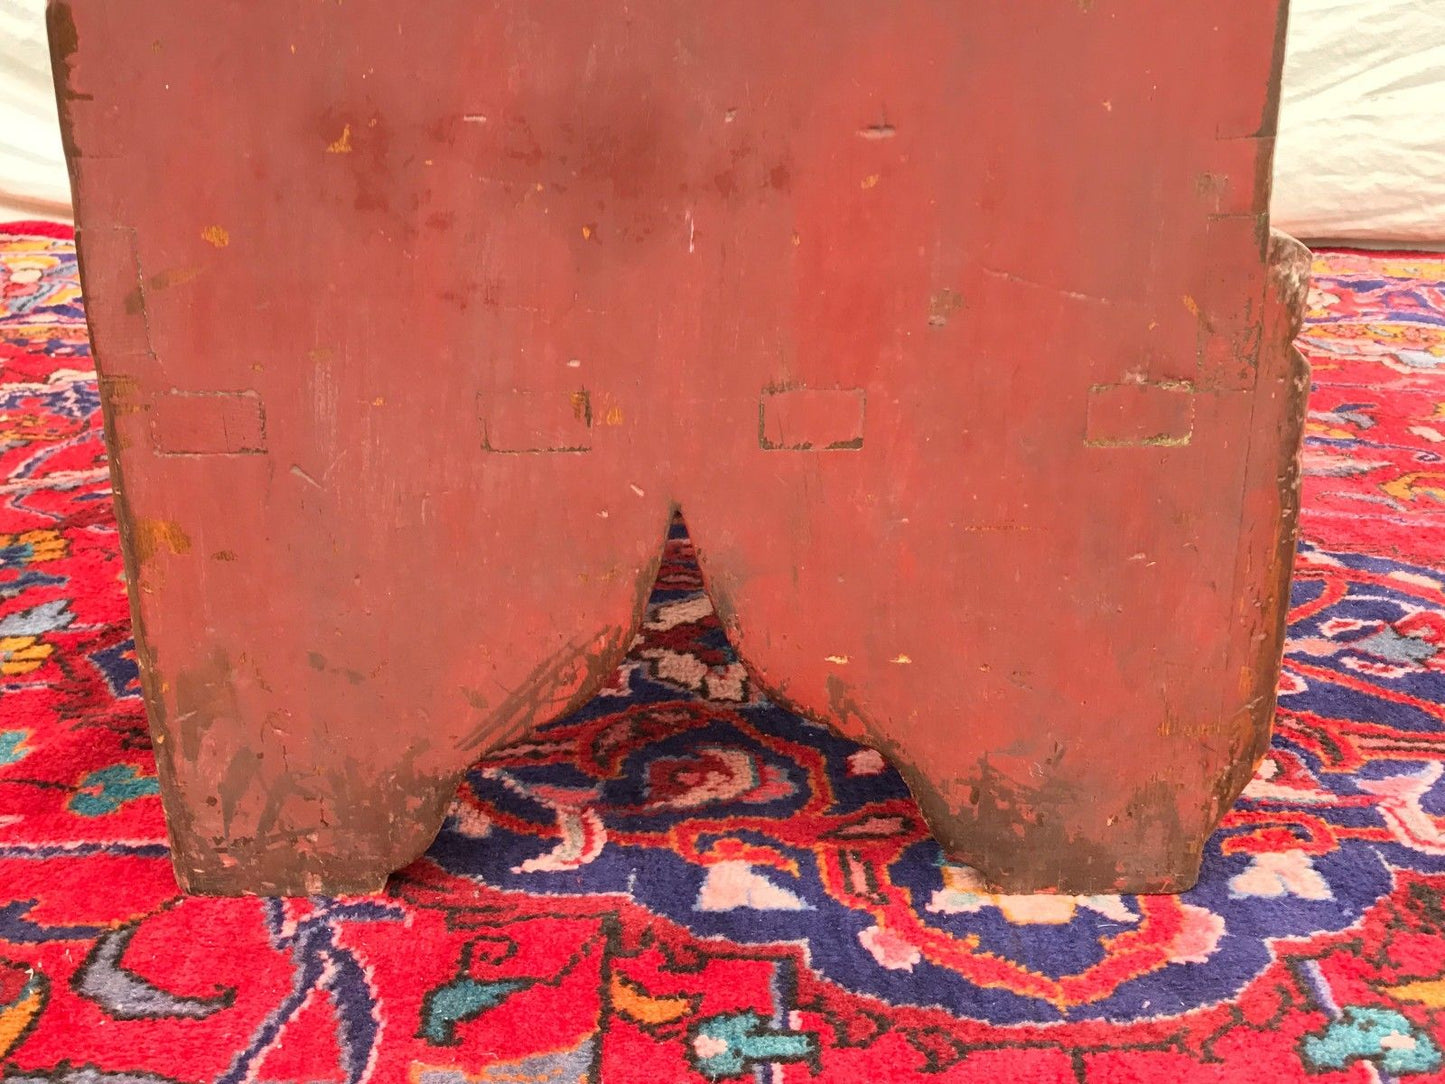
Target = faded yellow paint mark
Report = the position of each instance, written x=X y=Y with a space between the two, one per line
x=901 y=660
x=223 y=555
x=342 y=144
x=216 y=235
x=797 y=238
x=581 y=406
x=837 y=660
x=174 y=277
x=379 y=401
x=613 y=416
x=151 y=536
x=1191 y=305
x=1172 y=727
x=587 y=231
x=871 y=180
x=119 y=389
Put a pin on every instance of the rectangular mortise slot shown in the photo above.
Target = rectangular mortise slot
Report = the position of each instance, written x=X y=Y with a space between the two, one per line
x=208 y=423
x=811 y=419
x=1140 y=415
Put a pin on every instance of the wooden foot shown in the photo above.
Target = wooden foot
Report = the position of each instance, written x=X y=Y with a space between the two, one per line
x=326 y=786
x=340 y=835
x=1051 y=838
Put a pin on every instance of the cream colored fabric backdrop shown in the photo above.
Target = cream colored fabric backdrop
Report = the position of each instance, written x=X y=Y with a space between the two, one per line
x=1361 y=153
x=33 y=181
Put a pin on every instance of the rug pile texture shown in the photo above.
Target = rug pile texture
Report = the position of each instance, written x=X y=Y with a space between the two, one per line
x=683 y=881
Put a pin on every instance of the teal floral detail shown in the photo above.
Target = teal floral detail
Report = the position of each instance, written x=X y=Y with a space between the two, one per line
x=1379 y=1035
x=460 y=1000
x=730 y=1045
x=108 y=789
x=12 y=746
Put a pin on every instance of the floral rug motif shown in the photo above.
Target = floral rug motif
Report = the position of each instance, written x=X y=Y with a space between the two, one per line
x=684 y=882
x=1375 y=440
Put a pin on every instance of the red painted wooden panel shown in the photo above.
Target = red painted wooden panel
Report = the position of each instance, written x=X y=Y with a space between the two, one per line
x=950 y=325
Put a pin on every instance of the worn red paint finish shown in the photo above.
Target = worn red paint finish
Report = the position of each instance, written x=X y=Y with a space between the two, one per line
x=951 y=326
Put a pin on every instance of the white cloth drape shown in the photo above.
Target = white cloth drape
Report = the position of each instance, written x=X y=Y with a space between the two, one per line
x=1361 y=151
x=33 y=181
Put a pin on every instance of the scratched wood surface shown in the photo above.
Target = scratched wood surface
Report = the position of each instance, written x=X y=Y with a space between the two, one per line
x=955 y=329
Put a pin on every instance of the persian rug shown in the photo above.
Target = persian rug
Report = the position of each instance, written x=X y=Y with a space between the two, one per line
x=684 y=882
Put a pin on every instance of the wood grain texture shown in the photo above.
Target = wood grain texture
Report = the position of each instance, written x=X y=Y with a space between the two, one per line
x=954 y=328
